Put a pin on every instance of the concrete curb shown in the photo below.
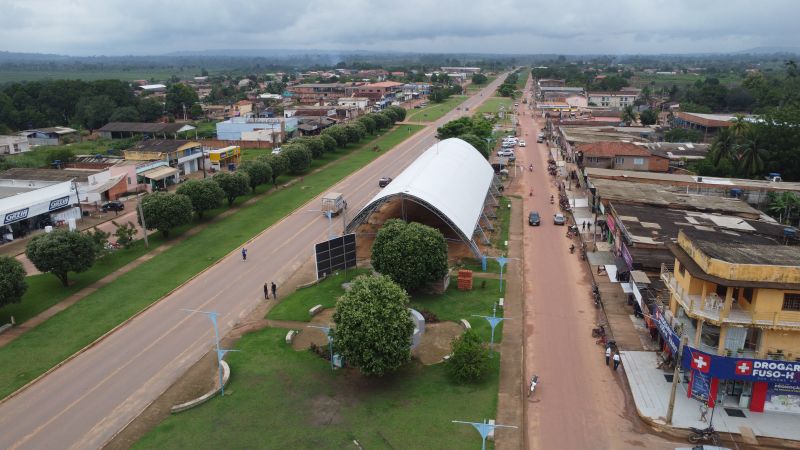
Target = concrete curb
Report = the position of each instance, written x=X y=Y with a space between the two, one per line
x=226 y=375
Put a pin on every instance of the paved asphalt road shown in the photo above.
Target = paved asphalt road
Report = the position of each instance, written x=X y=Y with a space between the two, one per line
x=89 y=399
x=579 y=403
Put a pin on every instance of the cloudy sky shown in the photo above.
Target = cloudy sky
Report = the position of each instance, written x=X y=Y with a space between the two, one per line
x=146 y=27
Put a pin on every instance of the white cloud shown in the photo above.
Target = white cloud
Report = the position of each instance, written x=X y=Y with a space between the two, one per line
x=117 y=27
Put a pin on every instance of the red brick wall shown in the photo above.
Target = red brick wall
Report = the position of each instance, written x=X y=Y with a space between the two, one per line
x=658 y=164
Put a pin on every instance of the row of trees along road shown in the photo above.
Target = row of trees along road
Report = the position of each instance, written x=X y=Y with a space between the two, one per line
x=166 y=211
x=476 y=130
x=373 y=326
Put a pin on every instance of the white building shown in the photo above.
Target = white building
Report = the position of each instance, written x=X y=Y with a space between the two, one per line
x=11 y=145
x=357 y=102
x=617 y=100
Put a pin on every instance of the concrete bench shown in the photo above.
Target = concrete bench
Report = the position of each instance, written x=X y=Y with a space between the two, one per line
x=315 y=310
x=465 y=324
x=290 y=336
x=446 y=357
x=5 y=327
x=500 y=303
x=490 y=436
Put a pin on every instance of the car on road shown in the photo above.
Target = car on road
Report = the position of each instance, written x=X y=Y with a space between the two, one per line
x=533 y=219
x=559 y=219
x=115 y=205
x=384 y=181
x=505 y=153
x=522 y=143
x=540 y=140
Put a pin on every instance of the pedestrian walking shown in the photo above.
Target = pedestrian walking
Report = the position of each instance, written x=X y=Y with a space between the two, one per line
x=244 y=254
x=616 y=360
x=274 y=291
x=608 y=354
x=266 y=291
x=583 y=225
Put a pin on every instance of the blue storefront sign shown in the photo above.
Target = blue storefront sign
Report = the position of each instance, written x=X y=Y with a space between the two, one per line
x=785 y=373
x=669 y=335
x=701 y=385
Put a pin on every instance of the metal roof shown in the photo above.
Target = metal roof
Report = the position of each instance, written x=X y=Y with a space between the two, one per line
x=143 y=127
x=451 y=178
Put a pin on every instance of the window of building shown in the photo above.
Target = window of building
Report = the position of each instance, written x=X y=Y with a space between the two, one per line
x=791 y=302
x=681 y=269
x=129 y=180
x=638 y=161
x=619 y=159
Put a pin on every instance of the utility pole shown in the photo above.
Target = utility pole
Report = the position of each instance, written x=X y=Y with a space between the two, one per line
x=675 y=375
x=141 y=214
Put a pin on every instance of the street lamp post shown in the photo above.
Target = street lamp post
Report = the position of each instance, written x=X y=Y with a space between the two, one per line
x=220 y=351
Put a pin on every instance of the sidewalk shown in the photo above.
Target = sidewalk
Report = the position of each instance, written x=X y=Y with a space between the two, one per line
x=510 y=409
x=651 y=392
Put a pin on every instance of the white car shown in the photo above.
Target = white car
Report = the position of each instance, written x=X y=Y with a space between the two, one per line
x=522 y=143
x=276 y=151
x=505 y=153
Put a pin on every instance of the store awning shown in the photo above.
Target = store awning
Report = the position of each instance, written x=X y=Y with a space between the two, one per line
x=622 y=266
x=159 y=173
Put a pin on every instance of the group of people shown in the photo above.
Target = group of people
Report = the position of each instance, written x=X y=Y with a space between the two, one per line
x=612 y=355
x=269 y=286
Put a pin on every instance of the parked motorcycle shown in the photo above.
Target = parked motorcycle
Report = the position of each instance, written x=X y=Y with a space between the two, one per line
x=704 y=434
x=572 y=249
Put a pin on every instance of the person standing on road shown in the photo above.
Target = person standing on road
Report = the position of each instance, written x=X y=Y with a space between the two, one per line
x=274 y=291
x=616 y=360
x=244 y=254
x=608 y=354
x=266 y=291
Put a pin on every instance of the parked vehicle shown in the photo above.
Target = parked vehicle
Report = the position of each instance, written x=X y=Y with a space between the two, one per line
x=533 y=219
x=384 y=181
x=522 y=143
x=505 y=153
x=276 y=151
x=703 y=434
x=540 y=140
x=333 y=203
x=559 y=219
x=115 y=205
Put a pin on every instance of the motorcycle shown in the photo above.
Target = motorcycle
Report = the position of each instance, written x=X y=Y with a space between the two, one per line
x=599 y=331
x=534 y=382
x=704 y=434
x=551 y=199
x=530 y=167
x=531 y=193
x=572 y=249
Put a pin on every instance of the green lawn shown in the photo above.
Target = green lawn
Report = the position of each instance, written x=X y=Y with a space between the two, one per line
x=434 y=111
x=67 y=332
x=523 y=77
x=504 y=217
x=473 y=88
x=45 y=290
x=286 y=399
x=455 y=305
x=295 y=306
x=38 y=156
x=492 y=105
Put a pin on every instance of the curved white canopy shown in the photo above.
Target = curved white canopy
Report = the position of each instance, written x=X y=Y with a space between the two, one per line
x=451 y=176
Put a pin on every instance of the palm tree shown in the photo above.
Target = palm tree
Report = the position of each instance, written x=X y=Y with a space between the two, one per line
x=628 y=115
x=739 y=125
x=751 y=157
x=782 y=204
x=723 y=147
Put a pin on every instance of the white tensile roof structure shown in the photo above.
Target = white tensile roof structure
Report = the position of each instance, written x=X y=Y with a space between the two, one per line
x=451 y=179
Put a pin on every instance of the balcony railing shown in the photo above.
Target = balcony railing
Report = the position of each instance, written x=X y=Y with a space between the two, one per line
x=713 y=309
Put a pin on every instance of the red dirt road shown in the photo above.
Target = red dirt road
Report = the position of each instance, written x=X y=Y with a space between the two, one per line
x=579 y=403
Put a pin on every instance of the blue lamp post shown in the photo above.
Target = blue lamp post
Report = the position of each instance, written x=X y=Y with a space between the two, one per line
x=220 y=351
x=484 y=429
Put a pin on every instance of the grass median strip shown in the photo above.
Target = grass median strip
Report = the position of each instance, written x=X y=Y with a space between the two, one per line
x=434 y=111
x=288 y=399
x=70 y=330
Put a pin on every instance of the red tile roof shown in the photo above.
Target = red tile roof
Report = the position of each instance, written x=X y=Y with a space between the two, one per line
x=610 y=149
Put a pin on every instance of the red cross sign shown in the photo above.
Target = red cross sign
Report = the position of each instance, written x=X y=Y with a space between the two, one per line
x=744 y=367
x=701 y=362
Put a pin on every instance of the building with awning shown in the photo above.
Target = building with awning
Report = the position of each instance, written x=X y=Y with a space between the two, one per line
x=220 y=158
x=28 y=208
x=158 y=176
x=186 y=156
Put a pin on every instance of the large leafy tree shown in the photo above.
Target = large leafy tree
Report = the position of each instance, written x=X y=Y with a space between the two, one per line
x=179 y=96
x=479 y=144
x=165 y=211
x=234 y=184
x=353 y=133
x=259 y=173
x=469 y=362
x=12 y=281
x=204 y=194
x=94 y=112
x=648 y=117
x=329 y=143
x=724 y=147
x=278 y=163
x=125 y=114
x=298 y=156
x=751 y=156
x=373 y=326
x=337 y=132
x=783 y=205
x=60 y=252
x=411 y=254
x=369 y=123
x=628 y=115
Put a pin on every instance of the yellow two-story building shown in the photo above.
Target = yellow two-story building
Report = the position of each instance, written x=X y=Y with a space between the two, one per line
x=737 y=295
